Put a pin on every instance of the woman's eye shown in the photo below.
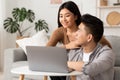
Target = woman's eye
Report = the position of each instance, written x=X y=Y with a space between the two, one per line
x=67 y=15
x=60 y=16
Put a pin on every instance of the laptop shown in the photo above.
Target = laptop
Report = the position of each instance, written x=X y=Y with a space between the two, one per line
x=47 y=59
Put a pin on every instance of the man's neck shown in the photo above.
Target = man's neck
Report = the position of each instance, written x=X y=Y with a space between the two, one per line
x=89 y=47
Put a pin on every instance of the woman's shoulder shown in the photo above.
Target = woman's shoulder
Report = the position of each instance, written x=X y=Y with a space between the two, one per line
x=60 y=30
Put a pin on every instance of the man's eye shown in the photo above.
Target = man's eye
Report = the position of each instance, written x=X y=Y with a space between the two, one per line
x=79 y=30
x=60 y=16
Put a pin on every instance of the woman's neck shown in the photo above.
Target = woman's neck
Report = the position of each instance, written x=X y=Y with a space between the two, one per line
x=72 y=29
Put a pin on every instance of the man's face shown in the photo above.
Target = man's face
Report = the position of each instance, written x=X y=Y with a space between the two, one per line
x=81 y=35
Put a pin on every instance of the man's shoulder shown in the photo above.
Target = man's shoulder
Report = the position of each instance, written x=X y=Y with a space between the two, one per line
x=106 y=49
x=75 y=50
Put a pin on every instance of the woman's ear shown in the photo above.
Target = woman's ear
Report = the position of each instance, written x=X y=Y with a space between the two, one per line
x=76 y=17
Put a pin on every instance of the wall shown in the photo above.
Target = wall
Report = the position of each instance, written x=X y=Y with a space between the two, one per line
x=6 y=40
x=2 y=43
x=0 y=31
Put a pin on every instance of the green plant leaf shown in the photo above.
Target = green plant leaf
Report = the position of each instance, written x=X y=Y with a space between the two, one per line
x=40 y=25
x=30 y=15
x=14 y=24
x=10 y=25
x=19 y=14
x=22 y=15
x=16 y=13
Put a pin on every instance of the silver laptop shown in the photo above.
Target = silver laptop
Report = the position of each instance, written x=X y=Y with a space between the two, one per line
x=47 y=59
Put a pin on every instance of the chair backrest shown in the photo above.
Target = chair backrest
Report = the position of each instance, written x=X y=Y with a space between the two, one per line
x=115 y=43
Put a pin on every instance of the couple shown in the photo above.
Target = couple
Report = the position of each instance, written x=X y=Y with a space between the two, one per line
x=89 y=51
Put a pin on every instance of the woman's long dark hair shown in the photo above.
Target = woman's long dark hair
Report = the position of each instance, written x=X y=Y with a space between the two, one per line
x=72 y=7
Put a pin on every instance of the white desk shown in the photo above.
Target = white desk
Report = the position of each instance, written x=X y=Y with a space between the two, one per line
x=25 y=71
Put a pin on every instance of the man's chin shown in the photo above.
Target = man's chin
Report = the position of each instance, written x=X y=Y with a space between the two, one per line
x=78 y=43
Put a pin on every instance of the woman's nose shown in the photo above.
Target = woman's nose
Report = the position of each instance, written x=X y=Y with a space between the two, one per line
x=64 y=18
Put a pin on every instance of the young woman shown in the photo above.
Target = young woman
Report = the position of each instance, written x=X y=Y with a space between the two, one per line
x=68 y=21
x=69 y=18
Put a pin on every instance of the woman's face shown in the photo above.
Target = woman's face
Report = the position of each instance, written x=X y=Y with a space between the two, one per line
x=67 y=18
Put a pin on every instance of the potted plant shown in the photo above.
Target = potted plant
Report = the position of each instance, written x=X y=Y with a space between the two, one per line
x=19 y=16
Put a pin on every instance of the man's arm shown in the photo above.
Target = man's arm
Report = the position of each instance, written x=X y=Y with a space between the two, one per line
x=77 y=66
x=104 y=62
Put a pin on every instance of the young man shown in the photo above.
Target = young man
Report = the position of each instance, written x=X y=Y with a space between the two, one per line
x=94 y=60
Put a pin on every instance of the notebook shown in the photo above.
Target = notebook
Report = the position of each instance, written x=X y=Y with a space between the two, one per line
x=47 y=59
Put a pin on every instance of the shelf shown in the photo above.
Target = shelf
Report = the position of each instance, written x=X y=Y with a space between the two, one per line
x=105 y=7
x=112 y=26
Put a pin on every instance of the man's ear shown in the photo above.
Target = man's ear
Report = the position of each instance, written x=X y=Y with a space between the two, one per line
x=90 y=37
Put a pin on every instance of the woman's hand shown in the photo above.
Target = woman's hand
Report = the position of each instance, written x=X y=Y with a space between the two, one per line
x=72 y=45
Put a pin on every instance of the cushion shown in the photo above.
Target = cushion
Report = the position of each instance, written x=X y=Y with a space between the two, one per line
x=39 y=39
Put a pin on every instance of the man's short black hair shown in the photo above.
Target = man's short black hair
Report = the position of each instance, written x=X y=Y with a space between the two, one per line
x=93 y=25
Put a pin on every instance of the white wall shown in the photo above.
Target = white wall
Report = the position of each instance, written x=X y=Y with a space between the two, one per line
x=2 y=43
x=0 y=32
x=6 y=40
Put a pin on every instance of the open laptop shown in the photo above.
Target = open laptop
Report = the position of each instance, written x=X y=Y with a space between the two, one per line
x=47 y=59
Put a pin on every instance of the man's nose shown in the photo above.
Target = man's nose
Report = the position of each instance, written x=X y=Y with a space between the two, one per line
x=76 y=33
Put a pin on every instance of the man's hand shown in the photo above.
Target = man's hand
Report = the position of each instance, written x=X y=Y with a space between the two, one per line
x=77 y=66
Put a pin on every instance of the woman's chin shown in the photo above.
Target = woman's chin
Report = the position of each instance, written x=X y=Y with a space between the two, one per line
x=65 y=26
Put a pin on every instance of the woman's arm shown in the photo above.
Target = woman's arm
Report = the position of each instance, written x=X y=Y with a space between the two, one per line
x=104 y=41
x=71 y=45
x=55 y=38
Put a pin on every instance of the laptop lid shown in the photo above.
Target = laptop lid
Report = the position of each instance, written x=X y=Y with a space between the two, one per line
x=47 y=59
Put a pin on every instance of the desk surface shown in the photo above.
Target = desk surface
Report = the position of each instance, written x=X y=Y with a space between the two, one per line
x=25 y=70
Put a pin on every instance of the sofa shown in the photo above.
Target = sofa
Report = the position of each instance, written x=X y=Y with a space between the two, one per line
x=15 y=57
